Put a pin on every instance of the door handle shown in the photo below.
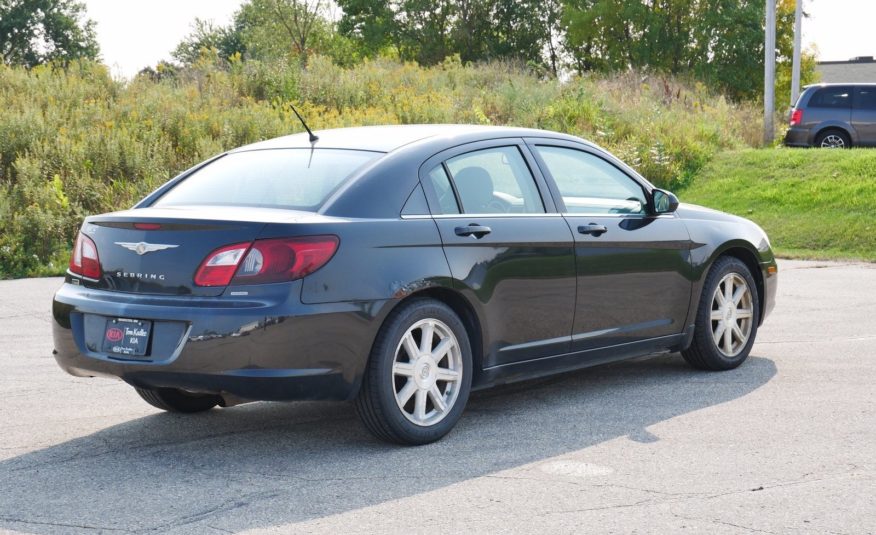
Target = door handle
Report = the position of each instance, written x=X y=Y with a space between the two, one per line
x=478 y=231
x=593 y=229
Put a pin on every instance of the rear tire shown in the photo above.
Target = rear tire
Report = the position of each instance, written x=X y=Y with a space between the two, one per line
x=833 y=139
x=727 y=317
x=418 y=376
x=173 y=400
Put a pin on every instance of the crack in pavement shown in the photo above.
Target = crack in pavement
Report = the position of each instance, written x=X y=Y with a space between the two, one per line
x=81 y=455
x=237 y=502
x=721 y=522
x=591 y=485
x=289 y=477
x=61 y=524
x=684 y=497
x=218 y=529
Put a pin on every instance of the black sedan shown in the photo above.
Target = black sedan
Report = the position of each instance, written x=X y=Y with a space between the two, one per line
x=401 y=267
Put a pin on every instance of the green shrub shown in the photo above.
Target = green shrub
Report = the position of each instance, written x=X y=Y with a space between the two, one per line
x=75 y=142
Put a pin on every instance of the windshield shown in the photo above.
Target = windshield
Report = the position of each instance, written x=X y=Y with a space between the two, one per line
x=299 y=179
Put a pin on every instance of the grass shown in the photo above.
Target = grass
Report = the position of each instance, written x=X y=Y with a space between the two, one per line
x=814 y=204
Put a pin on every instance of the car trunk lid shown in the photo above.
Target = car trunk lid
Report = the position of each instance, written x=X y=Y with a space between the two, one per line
x=158 y=250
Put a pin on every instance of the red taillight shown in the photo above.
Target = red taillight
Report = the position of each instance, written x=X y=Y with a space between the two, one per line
x=796 y=117
x=84 y=260
x=220 y=265
x=263 y=261
x=147 y=226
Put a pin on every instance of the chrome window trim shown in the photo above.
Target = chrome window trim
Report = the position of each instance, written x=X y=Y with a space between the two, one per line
x=497 y=215
x=549 y=214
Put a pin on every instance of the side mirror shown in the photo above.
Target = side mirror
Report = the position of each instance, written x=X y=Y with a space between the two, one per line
x=664 y=202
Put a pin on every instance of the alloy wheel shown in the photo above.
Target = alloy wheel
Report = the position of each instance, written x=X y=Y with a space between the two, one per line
x=427 y=372
x=731 y=315
x=833 y=141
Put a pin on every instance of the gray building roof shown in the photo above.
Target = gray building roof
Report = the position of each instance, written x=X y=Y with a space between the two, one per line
x=857 y=70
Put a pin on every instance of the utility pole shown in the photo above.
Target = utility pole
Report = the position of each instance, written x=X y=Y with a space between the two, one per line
x=769 y=71
x=795 y=68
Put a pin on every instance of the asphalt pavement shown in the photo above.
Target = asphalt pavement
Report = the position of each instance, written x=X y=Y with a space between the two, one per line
x=784 y=444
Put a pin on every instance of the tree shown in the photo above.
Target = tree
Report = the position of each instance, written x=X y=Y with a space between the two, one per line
x=280 y=27
x=424 y=28
x=207 y=36
x=427 y=31
x=727 y=46
x=270 y=30
x=368 y=23
x=34 y=32
x=717 y=41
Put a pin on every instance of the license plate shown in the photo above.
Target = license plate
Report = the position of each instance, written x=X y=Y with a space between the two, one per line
x=124 y=336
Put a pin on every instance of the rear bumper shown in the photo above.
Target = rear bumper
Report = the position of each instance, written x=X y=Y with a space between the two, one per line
x=266 y=346
x=797 y=137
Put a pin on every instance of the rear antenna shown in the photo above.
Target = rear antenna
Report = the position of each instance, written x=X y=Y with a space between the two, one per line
x=313 y=137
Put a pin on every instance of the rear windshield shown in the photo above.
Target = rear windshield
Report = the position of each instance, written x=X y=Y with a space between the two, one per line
x=299 y=179
x=832 y=97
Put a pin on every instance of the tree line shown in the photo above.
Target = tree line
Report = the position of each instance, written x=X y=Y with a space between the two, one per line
x=718 y=42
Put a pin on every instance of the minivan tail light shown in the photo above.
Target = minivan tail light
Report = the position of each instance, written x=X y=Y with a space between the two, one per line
x=84 y=261
x=264 y=261
x=796 y=117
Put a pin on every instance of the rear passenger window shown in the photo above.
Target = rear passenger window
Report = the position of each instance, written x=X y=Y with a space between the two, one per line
x=866 y=98
x=832 y=97
x=443 y=190
x=495 y=181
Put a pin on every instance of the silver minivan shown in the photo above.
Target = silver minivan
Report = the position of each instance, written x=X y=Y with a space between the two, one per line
x=834 y=116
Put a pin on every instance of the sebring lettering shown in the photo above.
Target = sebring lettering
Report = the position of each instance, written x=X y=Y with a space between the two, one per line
x=141 y=276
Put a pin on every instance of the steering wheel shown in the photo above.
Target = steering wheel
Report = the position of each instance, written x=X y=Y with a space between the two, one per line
x=498 y=206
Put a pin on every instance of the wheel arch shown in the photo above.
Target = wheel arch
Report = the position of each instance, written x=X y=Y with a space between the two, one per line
x=461 y=307
x=826 y=127
x=466 y=312
x=748 y=257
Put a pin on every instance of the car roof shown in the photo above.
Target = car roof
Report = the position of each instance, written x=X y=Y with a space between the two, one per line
x=840 y=84
x=391 y=137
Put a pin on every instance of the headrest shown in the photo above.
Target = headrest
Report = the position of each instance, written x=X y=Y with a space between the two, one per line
x=475 y=188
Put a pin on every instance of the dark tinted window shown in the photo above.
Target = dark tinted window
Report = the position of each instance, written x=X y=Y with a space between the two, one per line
x=441 y=185
x=495 y=181
x=866 y=98
x=832 y=97
x=300 y=179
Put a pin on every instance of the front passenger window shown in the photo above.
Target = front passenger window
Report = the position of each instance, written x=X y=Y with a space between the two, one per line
x=591 y=185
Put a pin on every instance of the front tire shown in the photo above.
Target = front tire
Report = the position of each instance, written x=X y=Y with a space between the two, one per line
x=173 y=400
x=727 y=317
x=419 y=375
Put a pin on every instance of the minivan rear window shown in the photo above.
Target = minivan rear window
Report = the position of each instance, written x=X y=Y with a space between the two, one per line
x=832 y=97
x=298 y=179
